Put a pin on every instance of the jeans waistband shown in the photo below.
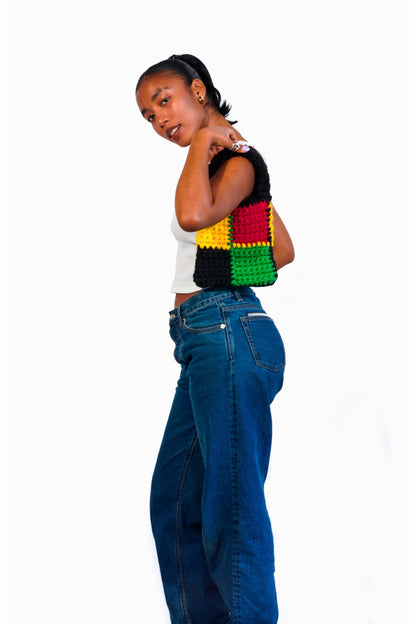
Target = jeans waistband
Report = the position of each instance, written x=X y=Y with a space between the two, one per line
x=211 y=295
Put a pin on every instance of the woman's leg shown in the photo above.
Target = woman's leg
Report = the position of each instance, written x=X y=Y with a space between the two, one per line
x=191 y=594
x=234 y=374
x=212 y=466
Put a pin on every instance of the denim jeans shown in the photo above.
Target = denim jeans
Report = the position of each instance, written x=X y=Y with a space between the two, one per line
x=209 y=517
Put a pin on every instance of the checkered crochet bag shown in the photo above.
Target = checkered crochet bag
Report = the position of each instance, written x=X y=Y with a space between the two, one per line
x=238 y=251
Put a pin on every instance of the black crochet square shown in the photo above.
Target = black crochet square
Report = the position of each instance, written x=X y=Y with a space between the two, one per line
x=212 y=268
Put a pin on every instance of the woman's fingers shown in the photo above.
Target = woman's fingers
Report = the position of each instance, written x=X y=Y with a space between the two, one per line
x=227 y=137
x=240 y=146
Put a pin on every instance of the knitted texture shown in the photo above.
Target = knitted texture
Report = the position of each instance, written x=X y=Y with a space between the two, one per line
x=238 y=251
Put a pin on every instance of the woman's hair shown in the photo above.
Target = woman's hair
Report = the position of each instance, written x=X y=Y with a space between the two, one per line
x=189 y=67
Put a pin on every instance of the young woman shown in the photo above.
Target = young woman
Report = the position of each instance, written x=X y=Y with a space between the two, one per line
x=209 y=517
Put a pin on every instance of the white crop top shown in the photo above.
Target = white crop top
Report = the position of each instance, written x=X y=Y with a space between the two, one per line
x=183 y=281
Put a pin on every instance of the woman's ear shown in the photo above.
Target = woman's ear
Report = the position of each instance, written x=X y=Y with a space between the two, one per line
x=198 y=88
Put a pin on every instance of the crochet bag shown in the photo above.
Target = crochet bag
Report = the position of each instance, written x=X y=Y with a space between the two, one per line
x=238 y=251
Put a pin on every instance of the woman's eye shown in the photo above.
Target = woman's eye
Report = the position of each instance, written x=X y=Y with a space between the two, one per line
x=150 y=118
x=165 y=100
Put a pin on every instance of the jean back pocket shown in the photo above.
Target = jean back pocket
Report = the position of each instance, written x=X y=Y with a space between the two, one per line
x=265 y=341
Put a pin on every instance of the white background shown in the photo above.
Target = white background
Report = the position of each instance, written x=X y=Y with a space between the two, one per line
x=323 y=90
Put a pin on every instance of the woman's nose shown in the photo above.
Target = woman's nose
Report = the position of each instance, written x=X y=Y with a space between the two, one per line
x=162 y=119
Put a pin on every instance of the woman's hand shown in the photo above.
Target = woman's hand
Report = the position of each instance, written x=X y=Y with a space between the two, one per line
x=220 y=137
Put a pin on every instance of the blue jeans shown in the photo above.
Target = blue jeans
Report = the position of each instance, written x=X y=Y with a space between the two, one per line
x=209 y=516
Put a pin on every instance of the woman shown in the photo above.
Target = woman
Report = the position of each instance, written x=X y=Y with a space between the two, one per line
x=209 y=518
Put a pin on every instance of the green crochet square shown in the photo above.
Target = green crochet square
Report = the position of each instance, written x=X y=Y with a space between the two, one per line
x=252 y=265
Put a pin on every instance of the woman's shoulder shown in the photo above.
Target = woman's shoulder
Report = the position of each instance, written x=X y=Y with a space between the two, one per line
x=262 y=178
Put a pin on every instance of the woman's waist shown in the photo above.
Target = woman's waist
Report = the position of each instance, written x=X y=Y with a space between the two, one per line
x=213 y=296
x=182 y=297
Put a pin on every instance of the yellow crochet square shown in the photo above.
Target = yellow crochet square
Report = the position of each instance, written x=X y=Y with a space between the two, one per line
x=216 y=236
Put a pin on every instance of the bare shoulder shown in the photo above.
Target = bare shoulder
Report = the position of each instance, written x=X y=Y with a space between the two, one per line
x=232 y=182
x=236 y=166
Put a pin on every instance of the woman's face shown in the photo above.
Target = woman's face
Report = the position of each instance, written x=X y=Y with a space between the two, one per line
x=172 y=107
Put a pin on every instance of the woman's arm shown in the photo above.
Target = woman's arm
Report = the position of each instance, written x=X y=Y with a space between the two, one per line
x=283 y=250
x=201 y=202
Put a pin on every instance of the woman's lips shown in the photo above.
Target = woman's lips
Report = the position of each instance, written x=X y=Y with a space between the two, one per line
x=174 y=133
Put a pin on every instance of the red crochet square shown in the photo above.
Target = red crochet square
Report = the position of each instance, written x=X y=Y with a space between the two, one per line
x=250 y=224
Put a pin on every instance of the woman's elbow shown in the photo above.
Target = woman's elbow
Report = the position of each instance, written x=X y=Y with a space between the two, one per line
x=189 y=218
x=189 y=223
x=284 y=256
x=290 y=254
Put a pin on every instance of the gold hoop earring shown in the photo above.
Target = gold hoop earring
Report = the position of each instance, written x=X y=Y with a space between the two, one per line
x=201 y=99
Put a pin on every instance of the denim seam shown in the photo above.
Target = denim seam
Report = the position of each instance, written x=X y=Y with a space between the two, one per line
x=201 y=330
x=236 y=571
x=181 y=581
x=228 y=333
x=177 y=339
x=246 y=305
x=203 y=304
